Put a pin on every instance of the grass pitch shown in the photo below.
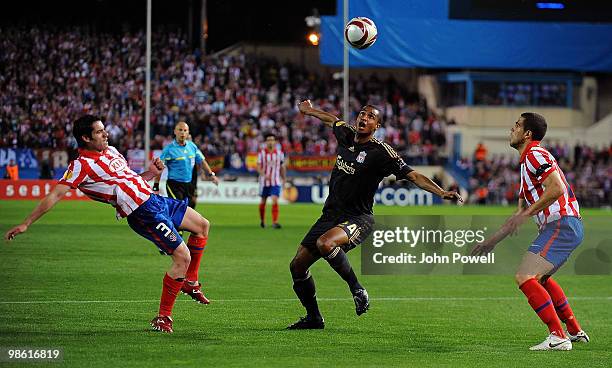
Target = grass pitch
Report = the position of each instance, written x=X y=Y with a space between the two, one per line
x=82 y=281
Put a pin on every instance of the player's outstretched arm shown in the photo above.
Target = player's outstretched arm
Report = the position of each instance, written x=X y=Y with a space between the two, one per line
x=427 y=184
x=307 y=109
x=43 y=207
x=508 y=228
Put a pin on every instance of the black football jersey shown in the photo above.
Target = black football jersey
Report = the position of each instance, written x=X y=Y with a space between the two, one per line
x=360 y=167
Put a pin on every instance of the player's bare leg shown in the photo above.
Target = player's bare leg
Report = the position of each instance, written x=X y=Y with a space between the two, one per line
x=262 y=212
x=304 y=287
x=172 y=284
x=330 y=246
x=275 y=223
x=199 y=227
x=532 y=269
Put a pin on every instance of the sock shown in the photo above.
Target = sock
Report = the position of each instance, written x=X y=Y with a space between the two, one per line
x=564 y=312
x=196 y=247
x=262 y=212
x=541 y=303
x=305 y=290
x=275 y=213
x=170 y=290
x=338 y=260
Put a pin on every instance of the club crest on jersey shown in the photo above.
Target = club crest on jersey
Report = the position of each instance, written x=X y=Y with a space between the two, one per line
x=361 y=157
x=117 y=164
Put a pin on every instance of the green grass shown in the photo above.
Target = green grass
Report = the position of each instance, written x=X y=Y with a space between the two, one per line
x=90 y=285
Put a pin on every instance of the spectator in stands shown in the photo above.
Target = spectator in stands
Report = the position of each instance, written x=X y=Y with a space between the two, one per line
x=230 y=99
x=480 y=154
x=12 y=171
x=590 y=174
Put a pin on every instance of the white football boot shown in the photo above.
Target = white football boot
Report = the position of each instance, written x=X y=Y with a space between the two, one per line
x=554 y=342
x=581 y=336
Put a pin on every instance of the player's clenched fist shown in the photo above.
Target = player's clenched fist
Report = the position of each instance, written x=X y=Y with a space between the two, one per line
x=156 y=166
x=305 y=106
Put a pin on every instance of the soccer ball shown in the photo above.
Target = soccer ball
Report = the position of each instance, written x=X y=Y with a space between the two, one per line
x=360 y=32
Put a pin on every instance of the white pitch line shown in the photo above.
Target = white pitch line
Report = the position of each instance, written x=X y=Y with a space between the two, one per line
x=392 y=299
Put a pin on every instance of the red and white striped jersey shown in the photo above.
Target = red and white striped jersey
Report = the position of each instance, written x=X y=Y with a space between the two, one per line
x=270 y=162
x=536 y=164
x=106 y=177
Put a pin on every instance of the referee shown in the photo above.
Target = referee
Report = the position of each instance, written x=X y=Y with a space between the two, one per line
x=181 y=157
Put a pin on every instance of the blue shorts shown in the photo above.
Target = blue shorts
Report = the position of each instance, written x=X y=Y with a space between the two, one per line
x=158 y=220
x=273 y=190
x=558 y=240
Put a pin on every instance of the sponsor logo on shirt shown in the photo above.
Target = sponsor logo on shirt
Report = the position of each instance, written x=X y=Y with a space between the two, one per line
x=345 y=166
x=117 y=164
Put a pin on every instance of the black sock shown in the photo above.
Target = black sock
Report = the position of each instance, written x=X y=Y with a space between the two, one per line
x=305 y=290
x=338 y=260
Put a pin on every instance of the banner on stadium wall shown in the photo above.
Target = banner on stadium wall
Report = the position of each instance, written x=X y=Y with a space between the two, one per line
x=216 y=163
x=300 y=163
x=33 y=189
x=311 y=163
x=58 y=159
x=386 y=195
x=24 y=158
x=226 y=192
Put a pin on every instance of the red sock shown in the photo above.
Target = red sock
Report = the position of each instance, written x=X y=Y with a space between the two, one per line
x=262 y=211
x=196 y=245
x=170 y=290
x=275 y=213
x=540 y=301
x=562 y=306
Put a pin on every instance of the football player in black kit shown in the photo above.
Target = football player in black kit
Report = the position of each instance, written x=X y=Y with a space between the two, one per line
x=347 y=219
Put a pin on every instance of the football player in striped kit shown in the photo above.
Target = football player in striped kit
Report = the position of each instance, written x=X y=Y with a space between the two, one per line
x=546 y=196
x=272 y=171
x=102 y=173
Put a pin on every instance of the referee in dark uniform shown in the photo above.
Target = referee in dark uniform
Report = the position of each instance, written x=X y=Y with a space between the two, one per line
x=362 y=163
x=183 y=158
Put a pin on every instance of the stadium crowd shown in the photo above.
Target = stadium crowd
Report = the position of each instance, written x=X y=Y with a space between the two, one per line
x=49 y=77
x=496 y=179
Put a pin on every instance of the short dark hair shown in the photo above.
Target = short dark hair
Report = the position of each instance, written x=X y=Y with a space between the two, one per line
x=83 y=127
x=536 y=124
x=268 y=135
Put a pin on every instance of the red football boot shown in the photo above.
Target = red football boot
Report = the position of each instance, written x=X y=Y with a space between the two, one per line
x=195 y=292
x=162 y=324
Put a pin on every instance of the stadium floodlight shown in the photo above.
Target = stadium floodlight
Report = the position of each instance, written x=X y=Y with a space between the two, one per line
x=313 y=38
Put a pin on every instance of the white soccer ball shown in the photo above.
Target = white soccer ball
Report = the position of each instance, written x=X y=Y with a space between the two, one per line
x=360 y=32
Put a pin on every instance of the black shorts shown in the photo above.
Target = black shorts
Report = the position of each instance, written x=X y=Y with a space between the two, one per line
x=179 y=190
x=357 y=228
